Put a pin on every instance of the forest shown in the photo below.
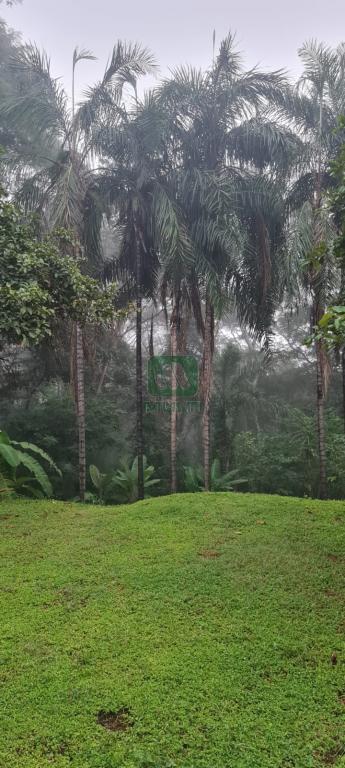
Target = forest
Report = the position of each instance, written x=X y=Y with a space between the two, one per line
x=172 y=398
x=201 y=220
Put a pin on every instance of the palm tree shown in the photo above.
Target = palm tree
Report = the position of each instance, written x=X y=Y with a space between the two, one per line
x=146 y=216
x=315 y=107
x=63 y=188
x=224 y=142
x=175 y=325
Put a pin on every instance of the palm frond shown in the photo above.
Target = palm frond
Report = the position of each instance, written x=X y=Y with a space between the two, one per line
x=128 y=62
x=229 y=60
x=171 y=232
x=319 y=62
x=263 y=143
x=41 y=106
x=82 y=55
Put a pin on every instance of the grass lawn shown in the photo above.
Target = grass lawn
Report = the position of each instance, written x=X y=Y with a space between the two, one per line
x=197 y=631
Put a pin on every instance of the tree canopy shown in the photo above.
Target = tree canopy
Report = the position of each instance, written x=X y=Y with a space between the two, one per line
x=215 y=203
x=39 y=285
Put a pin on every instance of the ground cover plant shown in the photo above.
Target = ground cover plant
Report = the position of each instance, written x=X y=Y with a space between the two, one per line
x=196 y=631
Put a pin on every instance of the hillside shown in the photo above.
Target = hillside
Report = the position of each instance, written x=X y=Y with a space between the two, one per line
x=199 y=631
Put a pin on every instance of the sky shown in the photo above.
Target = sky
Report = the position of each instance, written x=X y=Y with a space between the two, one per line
x=269 y=32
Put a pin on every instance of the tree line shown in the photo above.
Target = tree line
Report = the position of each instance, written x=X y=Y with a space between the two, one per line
x=215 y=199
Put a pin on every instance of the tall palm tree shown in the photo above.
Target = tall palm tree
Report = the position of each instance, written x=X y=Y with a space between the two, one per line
x=225 y=144
x=134 y=182
x=315 y=107
x=62 y=188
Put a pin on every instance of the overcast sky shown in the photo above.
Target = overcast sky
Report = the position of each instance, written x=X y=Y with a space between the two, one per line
x=269 y=32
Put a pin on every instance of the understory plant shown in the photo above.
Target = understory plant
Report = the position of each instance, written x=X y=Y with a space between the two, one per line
x=194 y=479
x=21 y=473
x=121 y=486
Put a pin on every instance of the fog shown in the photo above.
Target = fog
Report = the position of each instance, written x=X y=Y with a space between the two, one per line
x=269 y=32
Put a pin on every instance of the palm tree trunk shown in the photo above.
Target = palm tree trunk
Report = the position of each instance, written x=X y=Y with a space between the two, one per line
x=80 y=407
x=206 y=386
x=318 y=312
x=342 y=297
x=151 y=340
x=173 y=417
x=102 y=377
x=224 y=440
x=320 y=406
x=139 y=374
x=343 y=381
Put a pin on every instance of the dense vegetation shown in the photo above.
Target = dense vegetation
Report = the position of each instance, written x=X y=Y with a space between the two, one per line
x=205 y=219
x=172 y=319
x=205 y=630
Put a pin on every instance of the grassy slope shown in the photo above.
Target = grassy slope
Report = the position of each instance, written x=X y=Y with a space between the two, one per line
x=224 y=661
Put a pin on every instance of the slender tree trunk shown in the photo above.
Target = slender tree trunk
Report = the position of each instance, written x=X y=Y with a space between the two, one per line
x=206 y=385
x=343 y=381
x=80 y=408
x=224 y=440
x=102 y=377
x=78 y=385
x=317 y=313
x=342 y=353
x=320 y=406
x=139 y=375
x=151 y=340
x=173 y=417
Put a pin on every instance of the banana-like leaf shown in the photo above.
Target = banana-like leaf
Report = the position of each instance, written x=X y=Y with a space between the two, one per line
x=37 y=471
x=35 y=449
x=9 y=455
x=96 y=476
x=24 y=486
x=4 y=438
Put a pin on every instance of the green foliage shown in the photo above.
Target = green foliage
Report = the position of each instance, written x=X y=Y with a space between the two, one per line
x=102 y=482
x=39 y=285
x=122 y=486
x=200 y=182
x=331 y=328
x=273 y=461
x=212 y=618
x=194 y=481
x=285 y=460
x=16 y=458
x=48 y=419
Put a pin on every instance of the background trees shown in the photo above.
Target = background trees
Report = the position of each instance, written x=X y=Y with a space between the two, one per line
x=61 y=190
x=207 y=202
x=40 y=286
x=223 y=141
x=316 y=106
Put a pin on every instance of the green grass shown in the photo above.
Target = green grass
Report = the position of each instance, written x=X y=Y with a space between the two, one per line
x=211 y=618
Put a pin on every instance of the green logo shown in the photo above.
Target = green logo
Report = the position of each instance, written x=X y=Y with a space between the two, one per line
x=162 y=368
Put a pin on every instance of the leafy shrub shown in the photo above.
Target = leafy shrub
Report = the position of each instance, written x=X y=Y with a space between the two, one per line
x=194 y=480
x=121 y=486
x=285 y=460
x=49 y=420
x=20 y=472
